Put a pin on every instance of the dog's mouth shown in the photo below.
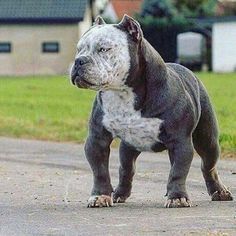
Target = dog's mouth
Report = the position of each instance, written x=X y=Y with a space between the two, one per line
x=82 y=83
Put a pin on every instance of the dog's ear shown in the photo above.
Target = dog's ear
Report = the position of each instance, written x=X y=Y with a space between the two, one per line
x=132 y=27
x=99 y=21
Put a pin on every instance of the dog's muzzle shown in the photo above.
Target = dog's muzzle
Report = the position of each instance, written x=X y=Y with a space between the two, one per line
x=78 y=71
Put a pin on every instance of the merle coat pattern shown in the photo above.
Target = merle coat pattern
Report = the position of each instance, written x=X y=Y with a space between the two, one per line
x=150 y=105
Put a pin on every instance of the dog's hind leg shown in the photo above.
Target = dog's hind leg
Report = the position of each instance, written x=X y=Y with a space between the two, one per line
x=205 y=140
x=128 y=156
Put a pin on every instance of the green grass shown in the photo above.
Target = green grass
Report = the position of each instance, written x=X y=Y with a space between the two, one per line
x=49 y=108
x=222 y=91
x=46 y=108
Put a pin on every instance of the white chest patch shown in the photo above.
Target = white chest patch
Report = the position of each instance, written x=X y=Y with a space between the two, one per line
x=123 y=121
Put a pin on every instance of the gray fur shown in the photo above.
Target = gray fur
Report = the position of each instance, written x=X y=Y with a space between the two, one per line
x=151 y=106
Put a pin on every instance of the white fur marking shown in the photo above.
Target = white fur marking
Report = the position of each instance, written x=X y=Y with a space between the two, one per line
x=123 y=121
x=110 y=68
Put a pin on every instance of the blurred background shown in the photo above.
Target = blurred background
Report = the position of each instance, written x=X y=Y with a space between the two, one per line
x=38 y=44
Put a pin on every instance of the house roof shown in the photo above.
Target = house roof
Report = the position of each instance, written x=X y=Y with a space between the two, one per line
x=129 y=7
x=36 y=11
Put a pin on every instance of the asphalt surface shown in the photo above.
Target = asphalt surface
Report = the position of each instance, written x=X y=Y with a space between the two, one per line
x=44 y=188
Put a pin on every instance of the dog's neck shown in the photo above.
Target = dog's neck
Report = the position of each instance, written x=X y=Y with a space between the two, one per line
x=155 y=67
x=151 y=73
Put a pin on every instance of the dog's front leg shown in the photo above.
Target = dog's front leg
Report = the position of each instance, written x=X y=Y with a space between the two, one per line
x=128 y=156
x=97 y=151
x=181 y=155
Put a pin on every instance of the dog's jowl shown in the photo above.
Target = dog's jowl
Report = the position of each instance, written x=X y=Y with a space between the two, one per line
x=150 y=105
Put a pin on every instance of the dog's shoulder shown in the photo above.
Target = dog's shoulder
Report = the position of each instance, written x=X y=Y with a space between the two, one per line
x=186 y=75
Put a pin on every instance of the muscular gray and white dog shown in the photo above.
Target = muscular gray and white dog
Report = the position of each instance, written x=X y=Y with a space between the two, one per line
x=150 y=105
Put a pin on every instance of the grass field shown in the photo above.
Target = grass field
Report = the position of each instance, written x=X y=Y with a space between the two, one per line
x=46 y=108
x=222 y=91
x=49 y=108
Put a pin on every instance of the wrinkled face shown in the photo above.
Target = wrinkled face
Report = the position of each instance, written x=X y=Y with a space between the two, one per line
x=102 y=60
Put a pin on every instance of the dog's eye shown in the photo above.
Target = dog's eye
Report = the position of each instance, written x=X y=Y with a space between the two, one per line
x=104 y=49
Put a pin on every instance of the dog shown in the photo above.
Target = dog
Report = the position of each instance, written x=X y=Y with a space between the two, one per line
x=150 y=105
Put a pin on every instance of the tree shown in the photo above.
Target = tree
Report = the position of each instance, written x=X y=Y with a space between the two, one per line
x=191 y=5
x=195 y=8
x=158 y=8
x=171 y=8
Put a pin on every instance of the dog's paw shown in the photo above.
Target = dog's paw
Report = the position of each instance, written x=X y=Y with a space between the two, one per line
x=177 y=202
x=100 y=201
x=223 y=195
x=121 y=194
x=119 y=199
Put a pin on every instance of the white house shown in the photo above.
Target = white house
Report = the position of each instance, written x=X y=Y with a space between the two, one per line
x=224 y=45
x=40 y=37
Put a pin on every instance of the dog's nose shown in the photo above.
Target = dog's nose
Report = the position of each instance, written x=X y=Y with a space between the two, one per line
x=80 y=61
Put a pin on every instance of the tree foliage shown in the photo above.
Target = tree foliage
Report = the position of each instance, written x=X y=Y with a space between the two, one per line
x=158 y=8
x=191 y=5
x=161 y=13
x=171 y=8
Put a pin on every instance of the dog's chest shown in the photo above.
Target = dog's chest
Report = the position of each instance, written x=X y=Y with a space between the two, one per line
x=123 y=121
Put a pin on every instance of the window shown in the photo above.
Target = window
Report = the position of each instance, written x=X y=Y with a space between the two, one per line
x=5 y=47
x=50 y=47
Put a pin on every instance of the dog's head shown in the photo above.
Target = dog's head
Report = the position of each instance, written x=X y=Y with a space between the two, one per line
x=106 y=54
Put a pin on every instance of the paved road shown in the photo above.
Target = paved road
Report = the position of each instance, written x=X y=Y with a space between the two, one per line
x=44 y=187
